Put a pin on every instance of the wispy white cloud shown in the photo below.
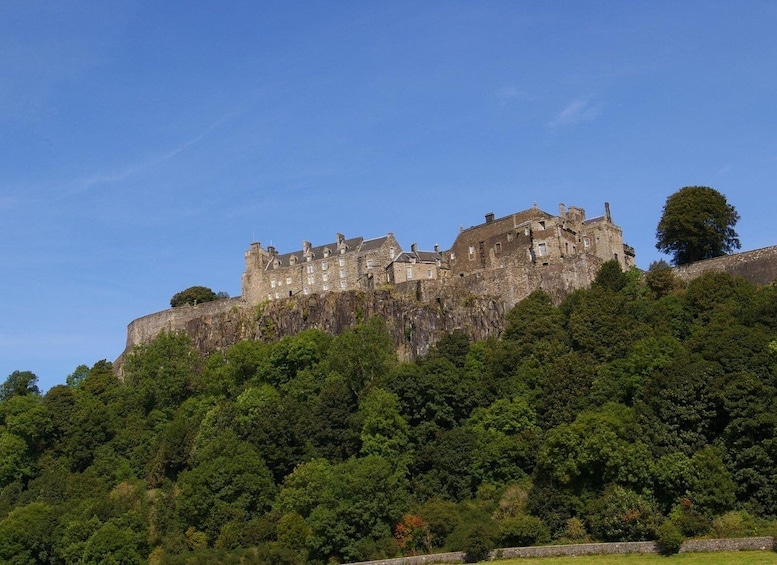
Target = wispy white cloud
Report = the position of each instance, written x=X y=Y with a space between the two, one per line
x=576 y=112
x=102 y=178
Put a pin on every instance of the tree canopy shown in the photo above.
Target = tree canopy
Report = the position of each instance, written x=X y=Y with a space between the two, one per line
x=195 y=295
x=697 y=223
x=633 y=410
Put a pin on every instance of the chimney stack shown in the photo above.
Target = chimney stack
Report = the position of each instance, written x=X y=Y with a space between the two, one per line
x=489 y=217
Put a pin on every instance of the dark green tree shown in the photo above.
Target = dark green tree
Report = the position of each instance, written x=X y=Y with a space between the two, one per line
x=194 y=295
x=19 y=383
x=697 y=223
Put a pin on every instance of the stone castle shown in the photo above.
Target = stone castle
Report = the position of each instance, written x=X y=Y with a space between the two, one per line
x=422 y=295
x=531 y=249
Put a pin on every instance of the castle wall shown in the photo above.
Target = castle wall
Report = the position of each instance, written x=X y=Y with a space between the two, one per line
x=758 y=266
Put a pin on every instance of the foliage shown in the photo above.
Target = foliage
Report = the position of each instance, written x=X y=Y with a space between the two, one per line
x=19 y=383
x=629 y=411
x=477 y=543
x=697 y=223
x=669 y=537
x=522 y=531
x=194 y=295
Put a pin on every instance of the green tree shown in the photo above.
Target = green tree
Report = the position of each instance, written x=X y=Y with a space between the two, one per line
x=162 y=372
x=623 y=515
x=363 y=355
x=193 y=295
x=611 y=276
x=27 y=535
x=697 y=223
x=19 y=383
x=231 y=482
x=384 y=431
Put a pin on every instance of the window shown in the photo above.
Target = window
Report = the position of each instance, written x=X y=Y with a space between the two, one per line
x=542 y=250
x=288 y=280
x=342 y=284
x=325 y=277
x=310 y=268
x=269 y=297
x=324 y=265
x=272 y=283
x=342 y=273
x=586 y=242
x=277 y=295
x=498 y=248
x=306 y=290
x=311 y=279
x=325 y=286
x=429 y=274
x=471 y=252
x=392 y=251
x=409 y=273
x=342 y=261
x=509 y=236
x=369 y=263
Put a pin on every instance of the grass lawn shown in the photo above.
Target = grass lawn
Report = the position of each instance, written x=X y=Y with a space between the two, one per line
x=734 y=557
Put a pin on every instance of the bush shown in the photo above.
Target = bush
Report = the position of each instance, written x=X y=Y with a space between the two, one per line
x=195 y=295
x=669 y=537
x=477 y=543
x=622 y=515
x=735 y=525
x=523 y=531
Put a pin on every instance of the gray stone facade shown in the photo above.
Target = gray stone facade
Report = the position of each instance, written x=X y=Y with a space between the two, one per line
x=534 y=238
x=508 y=257
x=345 y=264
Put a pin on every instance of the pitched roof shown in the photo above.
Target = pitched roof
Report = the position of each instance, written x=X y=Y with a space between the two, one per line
x=317 y=252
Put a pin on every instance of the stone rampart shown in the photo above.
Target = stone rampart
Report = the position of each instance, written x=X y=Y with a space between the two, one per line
x=758 y=266
x=766 y=543
x=414 y=324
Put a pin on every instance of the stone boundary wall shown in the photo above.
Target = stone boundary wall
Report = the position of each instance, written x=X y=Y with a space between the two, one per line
x=758 y=266
x=766 y=543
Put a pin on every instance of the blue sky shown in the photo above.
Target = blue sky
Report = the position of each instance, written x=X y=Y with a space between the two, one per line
x=144 y=145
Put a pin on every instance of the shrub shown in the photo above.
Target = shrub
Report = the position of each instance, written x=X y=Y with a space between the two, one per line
x=523 y=530
x=477 y=543
x=194 y=295
x=670 y=538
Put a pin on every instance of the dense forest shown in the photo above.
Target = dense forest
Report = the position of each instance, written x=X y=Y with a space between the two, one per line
x=639 y=408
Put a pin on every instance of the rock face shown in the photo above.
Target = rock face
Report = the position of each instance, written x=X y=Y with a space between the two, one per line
x=416 y=316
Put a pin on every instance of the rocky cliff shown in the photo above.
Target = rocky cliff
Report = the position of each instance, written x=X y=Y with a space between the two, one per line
x=417 y=316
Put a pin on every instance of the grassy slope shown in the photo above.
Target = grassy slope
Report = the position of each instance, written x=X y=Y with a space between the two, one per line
x=736 y=558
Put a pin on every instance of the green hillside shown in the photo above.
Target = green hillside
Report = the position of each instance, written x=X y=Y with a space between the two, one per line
x=637 y=409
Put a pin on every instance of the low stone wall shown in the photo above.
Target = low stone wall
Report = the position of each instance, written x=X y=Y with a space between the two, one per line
x=733 y=544
x=766 y=543
x=758 y=266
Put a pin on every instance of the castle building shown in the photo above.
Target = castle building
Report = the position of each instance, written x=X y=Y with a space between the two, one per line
x=509 y=256
x=417 y=265
x=534 y=238
x=345 y=264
